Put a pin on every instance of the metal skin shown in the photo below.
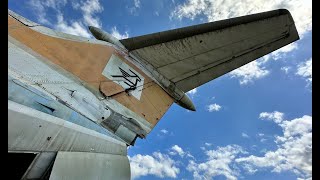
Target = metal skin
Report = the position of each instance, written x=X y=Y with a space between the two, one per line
x=104 y=36
x=179 y=96
x=78 y=103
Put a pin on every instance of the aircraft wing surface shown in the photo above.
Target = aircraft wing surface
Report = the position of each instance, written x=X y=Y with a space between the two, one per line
x=194 y=55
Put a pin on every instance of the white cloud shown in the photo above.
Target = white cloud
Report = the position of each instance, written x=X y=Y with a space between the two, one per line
x=219 y=162
x=280 y=53
x=40 y=8
x=275 y=116
x=160 y=165
x=264 y=150
x=88 y=8
x=244 y=135
x=164 y=131
x=295 y=127
x=117 y=34
x=249 y=169
x=263 y=140
x=286 y=69
x=249 y=72
x=214 y=10
x=192 y=91
x=76 y=27
x=294 y=151
x=137 y=3
x=214 y=107
x=304 y=70
x=178 y=150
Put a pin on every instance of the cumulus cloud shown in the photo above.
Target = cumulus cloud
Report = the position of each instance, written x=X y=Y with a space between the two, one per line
x=41 y=7
x=164 y=131
x=178 y=150
x=214 y=10
x=160 y=165
x=214 y=107
x=280 y=53
x=244 y=135
x=249 y=169
x=219 y=162
x=88 y=9
x=304 y=70
x=275 y=116
x=117 y=34
x=249 y=72
x=75 y=28
x=192 y=91
x=294 y=151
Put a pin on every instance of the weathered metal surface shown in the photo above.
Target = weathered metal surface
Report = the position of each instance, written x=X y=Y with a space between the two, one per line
x=33 y=130
x=66 y=91
x=181 y=33
x=28 y=96
x=84 y=165
x=192 y=56
x=126 y=133
x=104 y=36
x=87 y=61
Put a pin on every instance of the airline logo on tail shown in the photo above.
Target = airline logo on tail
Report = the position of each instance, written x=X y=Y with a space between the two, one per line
x=122 y=74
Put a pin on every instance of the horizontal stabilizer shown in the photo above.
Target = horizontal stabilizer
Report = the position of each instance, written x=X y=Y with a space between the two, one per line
x=194 y=55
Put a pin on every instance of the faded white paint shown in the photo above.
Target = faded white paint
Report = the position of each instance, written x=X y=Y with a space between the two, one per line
x=95 y=166
x=113 y=68
x=33 y=130
x=32 y=69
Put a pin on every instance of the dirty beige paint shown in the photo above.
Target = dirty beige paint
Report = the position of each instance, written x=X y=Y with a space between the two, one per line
x=87 y=61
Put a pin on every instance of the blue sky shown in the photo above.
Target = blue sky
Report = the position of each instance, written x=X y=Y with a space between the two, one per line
x=252 y=123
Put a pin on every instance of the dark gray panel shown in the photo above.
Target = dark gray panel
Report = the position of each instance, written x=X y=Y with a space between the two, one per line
x=180 y=33
x=192 y=56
